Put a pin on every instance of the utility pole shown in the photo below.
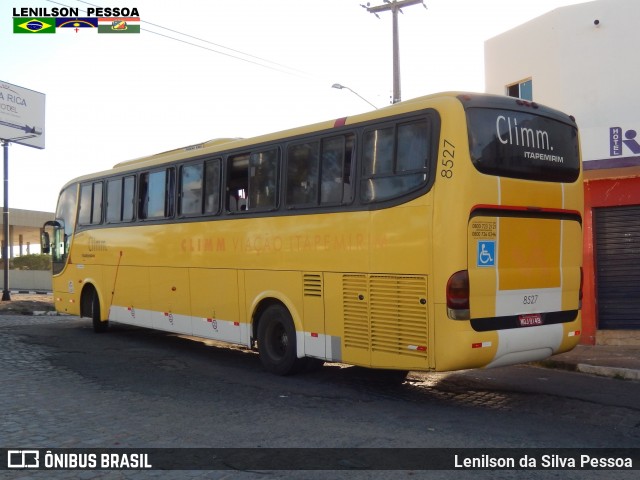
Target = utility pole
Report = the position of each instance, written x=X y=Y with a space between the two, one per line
x=6 y=294
x=394 y=6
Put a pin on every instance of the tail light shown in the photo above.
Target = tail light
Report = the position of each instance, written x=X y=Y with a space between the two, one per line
x=458 y=296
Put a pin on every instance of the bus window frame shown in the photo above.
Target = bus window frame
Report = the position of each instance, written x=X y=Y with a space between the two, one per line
x=218 y=193
x=143 y=197
x=121 y=179
x=321 y=140
x=203 y=162
x=92 y=185
x=247 y=155
x=181 y=190
x=225 y=157
x=432 y=118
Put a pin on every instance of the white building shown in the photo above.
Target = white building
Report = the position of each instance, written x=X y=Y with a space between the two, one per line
x=584 y=59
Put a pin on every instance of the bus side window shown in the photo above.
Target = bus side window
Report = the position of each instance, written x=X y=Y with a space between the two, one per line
x=84 y=210
x=191 y=179
x=212 y=186
x=128 y=198
x=120 y=193
x=156 y=198
x=302 y=174
x=114 y=200
x=347 y=172
x=252 y=182
x=157 y=194
x=96 y=210
x=378 y=152
x=413 y=147
x=336 y=169
x=395 y=160
x=319 y=172
x=237 y=181
x=143 y=187
x=263 y=179
x=199 y=188
x=90 y=211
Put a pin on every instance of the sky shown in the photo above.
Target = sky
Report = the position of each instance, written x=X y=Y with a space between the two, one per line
x=218 y=68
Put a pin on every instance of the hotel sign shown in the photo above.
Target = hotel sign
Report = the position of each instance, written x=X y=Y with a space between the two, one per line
x=21 y=115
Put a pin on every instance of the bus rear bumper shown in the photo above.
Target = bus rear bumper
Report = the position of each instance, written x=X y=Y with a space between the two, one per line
x=522 y=345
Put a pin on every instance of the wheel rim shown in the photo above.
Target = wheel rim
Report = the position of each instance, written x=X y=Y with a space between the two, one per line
x=279 y=341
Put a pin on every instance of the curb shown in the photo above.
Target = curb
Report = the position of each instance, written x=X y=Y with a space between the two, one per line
x=613 y=372
x=31 y=292
x=602 y=371
x=556 y=364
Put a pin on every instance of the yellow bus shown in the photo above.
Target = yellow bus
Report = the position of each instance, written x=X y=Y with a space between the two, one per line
x=439 y=233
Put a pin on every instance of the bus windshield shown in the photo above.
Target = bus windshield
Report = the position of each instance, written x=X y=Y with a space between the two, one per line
x=522 y=145
x=62 y=234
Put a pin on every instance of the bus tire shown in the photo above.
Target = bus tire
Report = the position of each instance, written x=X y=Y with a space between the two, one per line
x=277 y=341
x=91 y=309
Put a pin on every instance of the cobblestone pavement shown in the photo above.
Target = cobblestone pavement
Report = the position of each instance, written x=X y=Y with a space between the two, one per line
x=46 y=403
x=37 y=407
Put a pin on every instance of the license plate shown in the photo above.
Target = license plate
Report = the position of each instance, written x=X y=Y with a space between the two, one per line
x=530 y=320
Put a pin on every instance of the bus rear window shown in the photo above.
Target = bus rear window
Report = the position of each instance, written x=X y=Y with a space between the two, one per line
x=517 y=144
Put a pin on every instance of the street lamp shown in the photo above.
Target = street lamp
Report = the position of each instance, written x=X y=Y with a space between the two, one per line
x=340 y=87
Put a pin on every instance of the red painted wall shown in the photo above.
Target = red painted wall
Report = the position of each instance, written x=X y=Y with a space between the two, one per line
x=600 y=193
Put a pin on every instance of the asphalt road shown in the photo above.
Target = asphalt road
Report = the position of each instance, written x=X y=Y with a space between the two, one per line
x=63 y=386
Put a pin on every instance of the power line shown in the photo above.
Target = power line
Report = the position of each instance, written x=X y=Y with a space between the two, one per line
x=269 y=64
x=210 y=42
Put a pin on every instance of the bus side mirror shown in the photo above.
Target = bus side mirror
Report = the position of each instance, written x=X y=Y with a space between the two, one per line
x=45 y=242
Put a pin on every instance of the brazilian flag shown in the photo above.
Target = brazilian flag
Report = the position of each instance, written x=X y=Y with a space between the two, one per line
x=34 y=25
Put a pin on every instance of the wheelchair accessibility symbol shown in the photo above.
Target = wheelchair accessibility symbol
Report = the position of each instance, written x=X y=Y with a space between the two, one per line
x=486 y=253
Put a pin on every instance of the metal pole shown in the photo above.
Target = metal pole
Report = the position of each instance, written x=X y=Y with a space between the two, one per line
x=396 y=58
x=6 y=294
x=394 y=6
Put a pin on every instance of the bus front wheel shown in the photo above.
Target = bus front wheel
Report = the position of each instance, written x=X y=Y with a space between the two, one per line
x=277 y=341
x=91 y=309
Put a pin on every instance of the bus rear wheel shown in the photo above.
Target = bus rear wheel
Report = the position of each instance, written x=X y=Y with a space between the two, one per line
x=91 y=309
x=277 y=341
